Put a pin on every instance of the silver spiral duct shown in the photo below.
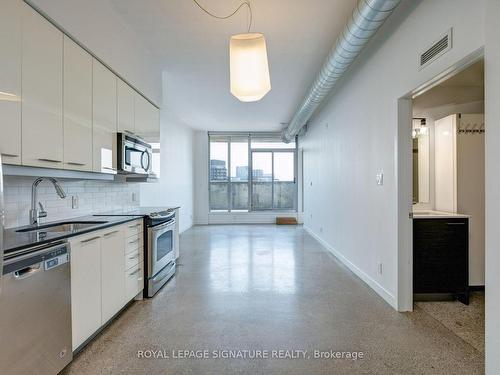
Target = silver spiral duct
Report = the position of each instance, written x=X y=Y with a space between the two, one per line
x=367 y=17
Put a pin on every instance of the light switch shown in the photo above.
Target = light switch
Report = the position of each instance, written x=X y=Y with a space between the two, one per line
x=380 y=178
x=74 y=201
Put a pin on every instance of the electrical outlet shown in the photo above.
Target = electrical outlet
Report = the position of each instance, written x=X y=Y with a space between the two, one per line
x=321 y=229
x=134 y=197
x=74 y=202
x=380 y=268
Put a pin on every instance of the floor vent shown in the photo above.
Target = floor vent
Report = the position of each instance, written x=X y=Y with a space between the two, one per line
x=437 y=49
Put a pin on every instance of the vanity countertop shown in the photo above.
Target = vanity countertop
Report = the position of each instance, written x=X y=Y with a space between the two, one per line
x=432 y=214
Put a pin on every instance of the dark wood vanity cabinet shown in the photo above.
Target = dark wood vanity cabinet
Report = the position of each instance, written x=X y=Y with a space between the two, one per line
x=441 y=257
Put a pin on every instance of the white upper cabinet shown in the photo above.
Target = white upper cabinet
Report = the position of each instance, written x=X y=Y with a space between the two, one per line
x=104 y=119
x=59 y=106
x=125 y=107
x=77 y=107
x=147 y=118
x=10 y=81
x=42 y=91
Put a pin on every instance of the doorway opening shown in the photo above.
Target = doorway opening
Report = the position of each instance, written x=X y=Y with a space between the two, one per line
x=444 y=237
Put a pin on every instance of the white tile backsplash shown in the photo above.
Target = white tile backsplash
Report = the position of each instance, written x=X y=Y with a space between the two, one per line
x=93 y=197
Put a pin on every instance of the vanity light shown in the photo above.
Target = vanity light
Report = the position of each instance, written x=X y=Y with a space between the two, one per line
x=249 y=69
x=419 y=127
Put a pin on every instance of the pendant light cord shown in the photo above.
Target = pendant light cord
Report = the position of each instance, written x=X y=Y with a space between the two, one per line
x=244 y=3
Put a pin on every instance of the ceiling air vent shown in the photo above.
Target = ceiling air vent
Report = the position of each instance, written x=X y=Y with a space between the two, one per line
x=438 y=48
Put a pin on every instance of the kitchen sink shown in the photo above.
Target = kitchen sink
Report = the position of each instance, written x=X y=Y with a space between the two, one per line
x=67 y=226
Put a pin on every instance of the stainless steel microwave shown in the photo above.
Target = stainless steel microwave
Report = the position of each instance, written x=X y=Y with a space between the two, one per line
x=134 y=155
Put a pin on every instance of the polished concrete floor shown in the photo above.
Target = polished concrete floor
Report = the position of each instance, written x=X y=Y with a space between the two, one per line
x=466 y=321
x=269 y=288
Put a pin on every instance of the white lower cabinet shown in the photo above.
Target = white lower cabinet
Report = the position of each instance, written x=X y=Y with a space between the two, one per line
x=103 y=278
x=134 y=281
x=113 y=266
x=85 y=287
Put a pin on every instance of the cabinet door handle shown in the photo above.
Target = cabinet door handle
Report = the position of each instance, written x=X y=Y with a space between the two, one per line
x=75 y=163
x=90 y=239
x=49 y=160
x=111 y=233
x=134 y=226
x=132 y=242
x=135 y=272
x=134 y=257
x=10 y=155
x=455 y=223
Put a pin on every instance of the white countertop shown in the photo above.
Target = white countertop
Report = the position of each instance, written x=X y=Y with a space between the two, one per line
x=431 y=214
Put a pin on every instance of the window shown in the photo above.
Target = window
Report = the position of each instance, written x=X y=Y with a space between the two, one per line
x=251 y=173
x=219 y=183
x=239 y=174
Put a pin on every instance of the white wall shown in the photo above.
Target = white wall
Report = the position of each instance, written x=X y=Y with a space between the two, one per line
x=492 y=145
x=470 y=191
x=201 y=178
x=354 y=137
x=95 y=24
x=360 y=219
x=175 y=187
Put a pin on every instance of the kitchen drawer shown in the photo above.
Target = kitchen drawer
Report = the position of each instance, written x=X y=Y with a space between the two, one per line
x=134 y=281
x=134 y=258
x=133 y=228
x=133 y=242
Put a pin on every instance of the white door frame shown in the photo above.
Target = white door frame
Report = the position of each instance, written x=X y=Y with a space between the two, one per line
x=404 y=173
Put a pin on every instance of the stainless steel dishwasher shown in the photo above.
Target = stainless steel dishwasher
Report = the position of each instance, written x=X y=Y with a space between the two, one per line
x=35 y=311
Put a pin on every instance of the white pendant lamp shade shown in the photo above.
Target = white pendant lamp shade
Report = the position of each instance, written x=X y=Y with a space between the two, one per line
x=249 y=68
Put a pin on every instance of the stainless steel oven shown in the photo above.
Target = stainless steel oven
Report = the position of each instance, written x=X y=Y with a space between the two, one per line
x=160 y=252
x=134 y=155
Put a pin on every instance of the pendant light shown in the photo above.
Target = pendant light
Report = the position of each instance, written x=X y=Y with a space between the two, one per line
x=249 y=68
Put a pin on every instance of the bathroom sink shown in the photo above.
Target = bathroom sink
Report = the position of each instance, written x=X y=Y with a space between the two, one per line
x=67 y=226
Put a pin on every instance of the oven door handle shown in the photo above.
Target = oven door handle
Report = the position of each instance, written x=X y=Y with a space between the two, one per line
x=162 y=226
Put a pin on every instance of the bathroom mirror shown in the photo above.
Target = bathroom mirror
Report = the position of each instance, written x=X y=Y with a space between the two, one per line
x=421 y=162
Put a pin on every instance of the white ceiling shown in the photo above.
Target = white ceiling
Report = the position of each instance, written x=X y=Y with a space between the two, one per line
x=192 y=49
x=464 y=87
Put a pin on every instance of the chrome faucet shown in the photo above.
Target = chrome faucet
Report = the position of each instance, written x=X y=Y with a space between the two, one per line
x=36 y=214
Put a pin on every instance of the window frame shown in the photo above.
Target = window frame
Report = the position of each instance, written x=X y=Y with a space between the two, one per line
x=249 y=136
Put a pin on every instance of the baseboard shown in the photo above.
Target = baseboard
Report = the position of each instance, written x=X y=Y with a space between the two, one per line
x=186 y=228
x=247 y=217
x=379 y=289
x=476 y=288
x=200 y=221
